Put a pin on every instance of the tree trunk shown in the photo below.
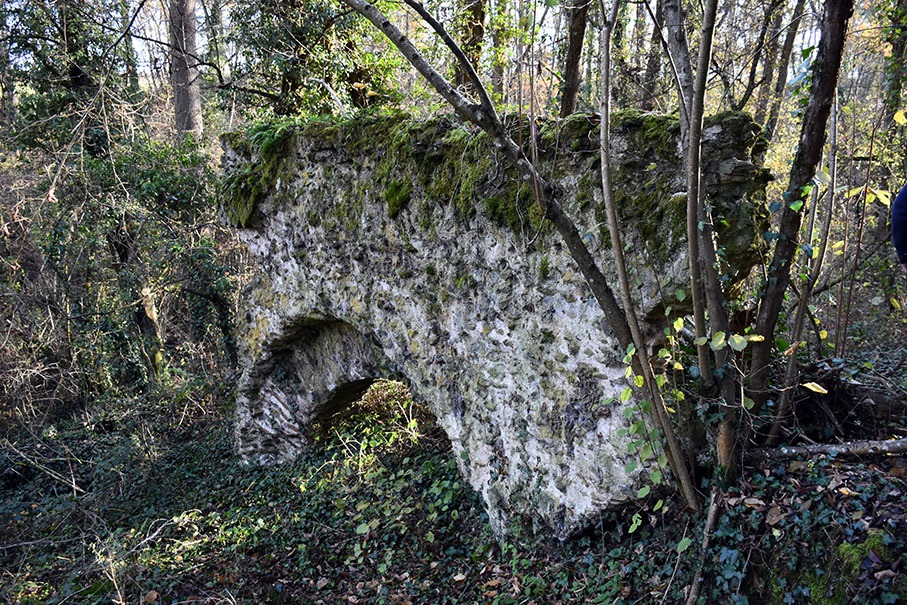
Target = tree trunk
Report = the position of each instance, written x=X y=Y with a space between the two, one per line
x=783 y=64
x=7 y=86
x=678 y=50
x=472 y=33
x=653 y=63
x=187 y=98
x=576 y=35
x=768 y=70
x=809 y=152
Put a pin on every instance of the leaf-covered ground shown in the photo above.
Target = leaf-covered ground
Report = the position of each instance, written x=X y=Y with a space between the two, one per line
x=143 y=501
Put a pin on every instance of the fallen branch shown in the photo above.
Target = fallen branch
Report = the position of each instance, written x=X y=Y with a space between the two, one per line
x=852 y=449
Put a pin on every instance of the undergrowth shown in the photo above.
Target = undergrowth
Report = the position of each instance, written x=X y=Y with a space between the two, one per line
x=142 y=500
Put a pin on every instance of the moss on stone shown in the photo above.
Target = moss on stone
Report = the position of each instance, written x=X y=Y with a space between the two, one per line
x=265 y=146
x=657 y=133
x=397 y=195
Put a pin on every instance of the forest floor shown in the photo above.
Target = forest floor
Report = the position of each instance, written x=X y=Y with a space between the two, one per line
x=143 y=500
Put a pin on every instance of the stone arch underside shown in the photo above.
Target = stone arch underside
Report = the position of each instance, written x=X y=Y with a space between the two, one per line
x=315 y=370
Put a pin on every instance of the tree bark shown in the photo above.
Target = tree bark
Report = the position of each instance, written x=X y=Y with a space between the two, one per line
x=576 y=34
x=187 y=98
x=809 y=152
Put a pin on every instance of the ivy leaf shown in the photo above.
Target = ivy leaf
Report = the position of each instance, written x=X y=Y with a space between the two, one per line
x=796 y=205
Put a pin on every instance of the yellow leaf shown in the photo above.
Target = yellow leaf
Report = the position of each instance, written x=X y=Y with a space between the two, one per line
x=718 y=341
x=755 y=338
x=884 y=197
x=895 y=303
x=823 y=334
x=816 y=388
x=900 y=117
x=854 y=191
x=793 y=349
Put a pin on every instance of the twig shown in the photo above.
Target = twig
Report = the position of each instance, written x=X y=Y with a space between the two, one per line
x=851 y=449
x=711 y=520
x=48 y=471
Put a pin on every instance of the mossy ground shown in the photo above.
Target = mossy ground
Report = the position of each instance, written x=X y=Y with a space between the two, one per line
x=144 y=500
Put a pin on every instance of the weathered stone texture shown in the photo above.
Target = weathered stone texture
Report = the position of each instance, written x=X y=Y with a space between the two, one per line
x=391 y=248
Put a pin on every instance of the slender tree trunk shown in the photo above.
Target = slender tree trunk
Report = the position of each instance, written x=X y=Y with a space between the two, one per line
x=704 y=260
x=653 y=63
x=576 y=35
x=678 y=50
x=783 y=64
x=809 y=152
x=187 y=98
x=768 y=70
x=8 y=92
x=472 y=28
x=751 y=83
x=661 y=419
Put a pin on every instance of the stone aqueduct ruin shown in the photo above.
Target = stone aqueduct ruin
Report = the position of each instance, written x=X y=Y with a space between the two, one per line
x=393 y=248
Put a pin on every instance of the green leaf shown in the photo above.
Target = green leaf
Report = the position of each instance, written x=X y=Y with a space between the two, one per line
x=626 y=394
x=655 y=477
x=637 y=521
x=639 y=381
x=683 y=545
x=748 y=403
x=681 y=295
x=718 y=341
x=678 y=324
x=362 y=528
x=796 y=205
x=643 y=491
x=631 y=466
x=701 y=341
x=737 y=342
x=658 y=505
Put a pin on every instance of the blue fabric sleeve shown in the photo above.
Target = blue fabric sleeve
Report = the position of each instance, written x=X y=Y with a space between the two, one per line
x=899 y=224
